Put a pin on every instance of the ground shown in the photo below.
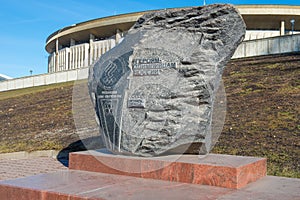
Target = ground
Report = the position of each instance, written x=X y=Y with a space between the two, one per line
x=263 y=97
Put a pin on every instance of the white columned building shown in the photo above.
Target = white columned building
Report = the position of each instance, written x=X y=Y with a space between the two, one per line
x=80 y=45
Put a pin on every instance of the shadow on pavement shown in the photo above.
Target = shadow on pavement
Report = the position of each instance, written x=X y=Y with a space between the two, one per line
x=91 y=143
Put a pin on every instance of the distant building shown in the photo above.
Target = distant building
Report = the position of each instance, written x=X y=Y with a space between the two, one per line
x=80 y=45
x=4 y=77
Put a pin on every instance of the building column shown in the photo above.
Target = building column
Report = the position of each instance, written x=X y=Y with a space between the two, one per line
x=282 y=28
x=56 y=55
x=118 y=36
x=91 y=48
x=85 y=55
x=72 y=42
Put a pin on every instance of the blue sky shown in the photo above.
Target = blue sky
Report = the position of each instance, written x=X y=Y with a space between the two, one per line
x=25 y=25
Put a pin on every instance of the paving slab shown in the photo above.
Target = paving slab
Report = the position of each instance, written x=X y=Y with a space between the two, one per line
x=268 y=188
x=79 y=185
x=17 y=168
x=93 y=185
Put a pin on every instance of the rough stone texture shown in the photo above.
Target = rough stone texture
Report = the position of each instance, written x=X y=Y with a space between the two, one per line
x=154 y=93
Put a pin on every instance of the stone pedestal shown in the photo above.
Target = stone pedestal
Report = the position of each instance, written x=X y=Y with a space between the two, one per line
x=214 y=169
x=137 y=178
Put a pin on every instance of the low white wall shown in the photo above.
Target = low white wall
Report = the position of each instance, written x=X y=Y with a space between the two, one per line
x=267 y=46
x=44 y=79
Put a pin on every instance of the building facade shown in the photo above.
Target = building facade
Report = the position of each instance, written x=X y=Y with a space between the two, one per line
x=80 y=45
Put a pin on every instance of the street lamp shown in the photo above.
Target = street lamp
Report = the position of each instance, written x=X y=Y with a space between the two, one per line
x=293 y=24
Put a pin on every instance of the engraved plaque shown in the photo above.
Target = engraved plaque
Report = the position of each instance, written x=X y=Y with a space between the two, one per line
x=136 y=103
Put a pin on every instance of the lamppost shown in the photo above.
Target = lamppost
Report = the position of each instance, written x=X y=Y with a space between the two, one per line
x=293 y=24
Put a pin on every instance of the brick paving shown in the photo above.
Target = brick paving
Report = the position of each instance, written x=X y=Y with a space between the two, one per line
x=11 y=169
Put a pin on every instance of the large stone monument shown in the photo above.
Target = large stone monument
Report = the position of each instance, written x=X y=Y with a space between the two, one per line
x=154 y=93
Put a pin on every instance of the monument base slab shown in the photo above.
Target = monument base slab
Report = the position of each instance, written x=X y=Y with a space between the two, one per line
x=214 y=169
x=82 y=185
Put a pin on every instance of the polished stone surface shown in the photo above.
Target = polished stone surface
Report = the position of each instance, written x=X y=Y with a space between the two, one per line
x=214 y=169
x=79 y=185
x=155 y=92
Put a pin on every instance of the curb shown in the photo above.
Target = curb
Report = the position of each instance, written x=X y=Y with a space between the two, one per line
x=26 y=155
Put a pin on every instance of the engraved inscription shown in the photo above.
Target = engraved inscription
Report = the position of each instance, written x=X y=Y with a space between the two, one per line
x=109 y=95
x=150 y=66
x=136 y=103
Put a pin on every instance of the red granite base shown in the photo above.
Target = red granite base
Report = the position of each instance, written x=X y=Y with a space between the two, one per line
x=214 y=169
x=83 y=185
